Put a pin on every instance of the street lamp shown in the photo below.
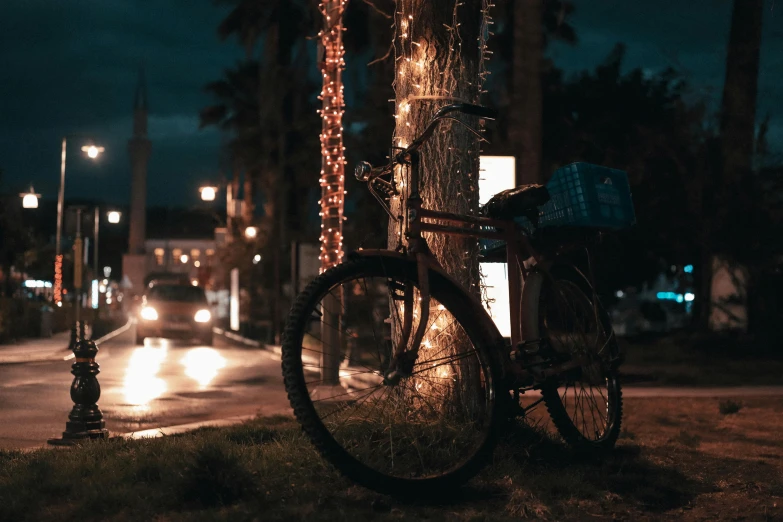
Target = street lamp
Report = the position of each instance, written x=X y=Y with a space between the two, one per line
x=30 y=199
x=208 y=193
x=114 y=217
x=92 y=152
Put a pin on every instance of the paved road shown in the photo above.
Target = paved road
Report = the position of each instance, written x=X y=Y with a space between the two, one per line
x=164 y=384
x=160 y=384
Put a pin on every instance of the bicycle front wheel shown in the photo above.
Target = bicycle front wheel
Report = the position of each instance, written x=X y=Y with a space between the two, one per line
x=430 y=430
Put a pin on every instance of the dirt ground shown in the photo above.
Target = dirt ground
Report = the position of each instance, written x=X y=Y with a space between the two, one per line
x=686 y=459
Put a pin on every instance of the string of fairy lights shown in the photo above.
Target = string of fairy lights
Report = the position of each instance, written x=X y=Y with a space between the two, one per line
x=332 y=178
x=412 y=83
x=425 y=79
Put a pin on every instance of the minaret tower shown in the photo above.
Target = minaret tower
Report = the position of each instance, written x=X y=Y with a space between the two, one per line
x=139 y=148
x=134 y=265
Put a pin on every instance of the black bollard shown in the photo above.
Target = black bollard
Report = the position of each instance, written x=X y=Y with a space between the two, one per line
x=85 y=422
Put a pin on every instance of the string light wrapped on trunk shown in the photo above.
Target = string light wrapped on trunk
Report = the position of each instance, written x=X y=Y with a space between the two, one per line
x=332 y=178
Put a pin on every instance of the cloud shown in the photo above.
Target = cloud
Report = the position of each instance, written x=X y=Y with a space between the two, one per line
x=71 y=67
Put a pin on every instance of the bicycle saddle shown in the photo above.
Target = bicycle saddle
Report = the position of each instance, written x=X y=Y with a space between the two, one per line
x=521 y=201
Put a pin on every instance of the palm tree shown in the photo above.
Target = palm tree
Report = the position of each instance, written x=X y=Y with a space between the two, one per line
x=280 y=25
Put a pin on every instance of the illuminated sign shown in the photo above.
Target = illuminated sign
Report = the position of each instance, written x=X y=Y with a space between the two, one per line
x=496 y=173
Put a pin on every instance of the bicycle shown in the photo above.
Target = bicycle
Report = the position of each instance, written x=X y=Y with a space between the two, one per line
x=400 y=378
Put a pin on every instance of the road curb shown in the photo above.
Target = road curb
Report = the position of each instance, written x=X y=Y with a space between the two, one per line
x=238 y=338
x=183 y=428
x=108 y=337
x=119 y=331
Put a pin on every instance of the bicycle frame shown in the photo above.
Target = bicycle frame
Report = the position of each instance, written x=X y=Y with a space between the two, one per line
x=420 y=220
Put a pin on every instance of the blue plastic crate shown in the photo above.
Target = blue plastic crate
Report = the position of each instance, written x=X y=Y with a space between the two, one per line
x=582 y=195
x=586 y=195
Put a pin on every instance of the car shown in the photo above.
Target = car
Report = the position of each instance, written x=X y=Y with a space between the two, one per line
x=174 y=311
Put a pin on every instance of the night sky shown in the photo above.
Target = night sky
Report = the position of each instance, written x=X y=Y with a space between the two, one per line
x=71 y=67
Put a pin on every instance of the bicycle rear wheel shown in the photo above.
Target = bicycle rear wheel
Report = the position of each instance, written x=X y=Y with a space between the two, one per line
x=433 y=429
x=584 y=403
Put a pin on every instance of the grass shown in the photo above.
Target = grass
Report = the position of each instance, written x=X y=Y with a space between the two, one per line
x=699 y=465
x=690 y=360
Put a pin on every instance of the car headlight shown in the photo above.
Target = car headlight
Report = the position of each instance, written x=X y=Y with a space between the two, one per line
x=149 y=313
x=203 y=316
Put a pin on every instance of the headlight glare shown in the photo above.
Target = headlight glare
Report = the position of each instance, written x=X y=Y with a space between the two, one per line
x=203 y=316
x=149 y=313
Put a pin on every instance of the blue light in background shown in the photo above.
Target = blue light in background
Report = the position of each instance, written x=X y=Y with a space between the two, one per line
x=688 y=269
x=671 y=296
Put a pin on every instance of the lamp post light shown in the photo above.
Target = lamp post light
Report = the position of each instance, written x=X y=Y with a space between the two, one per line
x=29 y=199
x=208 y=193
x=92 y=152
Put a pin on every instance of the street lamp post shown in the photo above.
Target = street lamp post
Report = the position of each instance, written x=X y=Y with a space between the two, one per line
x=113 y=217
x=92 y=152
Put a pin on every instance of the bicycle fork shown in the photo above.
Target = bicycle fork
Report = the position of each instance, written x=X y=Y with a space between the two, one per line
x=403 y=360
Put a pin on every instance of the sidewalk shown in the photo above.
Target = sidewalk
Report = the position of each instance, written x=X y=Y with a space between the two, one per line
x=34 y=350
x=54 y=348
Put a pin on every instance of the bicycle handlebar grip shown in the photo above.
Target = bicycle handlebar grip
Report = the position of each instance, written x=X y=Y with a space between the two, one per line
x=478 y=110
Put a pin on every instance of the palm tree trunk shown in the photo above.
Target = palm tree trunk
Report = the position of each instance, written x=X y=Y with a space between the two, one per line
x=525 y=119
x=438 y=62
x=737 y=132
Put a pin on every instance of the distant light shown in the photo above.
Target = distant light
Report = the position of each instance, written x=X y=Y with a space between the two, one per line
x=59 y=304
x=619 y=293
x=94 y=294
x=30 y=199
x=251 y=232
x=256 y=259
x=183 y=258
x=688 y=269
x=679 y=298
x=208 y=193
x=92 y=151
x=114 y=216
x=194 y=282
x=197 y=263
x=690 y=297
x=106 y=271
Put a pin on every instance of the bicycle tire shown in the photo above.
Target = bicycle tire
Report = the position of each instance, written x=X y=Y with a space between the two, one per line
x=301 y=397
x=537 y=286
